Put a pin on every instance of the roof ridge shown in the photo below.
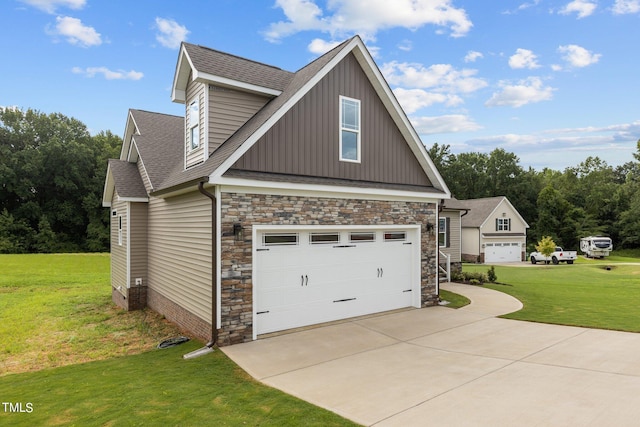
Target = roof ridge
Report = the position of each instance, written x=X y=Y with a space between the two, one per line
x=156 y=112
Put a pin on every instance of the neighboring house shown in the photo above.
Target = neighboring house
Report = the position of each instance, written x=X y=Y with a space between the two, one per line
x=493 y=231
x=450 y=233
x=281 y=199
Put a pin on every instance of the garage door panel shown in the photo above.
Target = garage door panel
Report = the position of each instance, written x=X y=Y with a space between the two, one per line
x=313 y=282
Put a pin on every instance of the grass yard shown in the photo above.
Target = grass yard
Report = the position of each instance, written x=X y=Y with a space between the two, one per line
x=583 y=294
x=76 y=359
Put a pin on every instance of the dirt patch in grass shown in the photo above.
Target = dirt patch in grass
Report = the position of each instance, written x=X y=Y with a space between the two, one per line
x=118 y=333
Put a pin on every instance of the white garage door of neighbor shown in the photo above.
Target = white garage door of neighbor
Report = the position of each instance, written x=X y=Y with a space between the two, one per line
x=304 y=277
x=502 y=252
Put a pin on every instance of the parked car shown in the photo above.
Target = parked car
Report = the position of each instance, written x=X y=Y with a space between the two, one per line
x=558 y=256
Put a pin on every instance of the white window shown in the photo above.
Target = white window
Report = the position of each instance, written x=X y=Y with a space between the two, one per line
x=321 y=238
x=503 y=224
x=442 y=233
x=120 y=230
x=279 y=239
x=359 y=237
x=349 y=130
x=194 y=121
x=395 y=236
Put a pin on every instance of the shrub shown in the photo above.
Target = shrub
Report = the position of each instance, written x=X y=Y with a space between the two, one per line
x=491 y=275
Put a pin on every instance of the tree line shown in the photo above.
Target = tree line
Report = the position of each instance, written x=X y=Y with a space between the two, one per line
x=592 y=198
x=52 y=173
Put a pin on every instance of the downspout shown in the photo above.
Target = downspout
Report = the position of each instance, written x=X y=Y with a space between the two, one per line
x=214 y=260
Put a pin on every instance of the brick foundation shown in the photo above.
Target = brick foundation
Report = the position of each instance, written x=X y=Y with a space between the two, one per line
x=178 y=315
x=132 y=299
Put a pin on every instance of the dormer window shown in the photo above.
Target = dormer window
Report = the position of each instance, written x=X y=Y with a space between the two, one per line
x=349 y=130
x=194 y=122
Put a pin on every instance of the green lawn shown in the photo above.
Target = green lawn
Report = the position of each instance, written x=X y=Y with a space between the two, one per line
x=582 y=294
x=76 y=359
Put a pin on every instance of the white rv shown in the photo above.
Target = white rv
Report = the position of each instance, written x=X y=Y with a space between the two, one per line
x=596 y=246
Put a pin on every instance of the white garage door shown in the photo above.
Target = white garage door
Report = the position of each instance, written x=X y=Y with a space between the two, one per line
x=502 y=252
x=304 y=277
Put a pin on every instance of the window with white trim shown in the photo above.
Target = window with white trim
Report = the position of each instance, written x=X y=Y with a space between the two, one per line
x=442 y=232
x=503 y=224
x=349 y=129
x=194 y=124
x=279 y=239
x=120 y=230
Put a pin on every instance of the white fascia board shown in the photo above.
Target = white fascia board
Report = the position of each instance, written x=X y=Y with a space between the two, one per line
x=181 y=77
x=400 y=118
x=235 y=84
x=109 y=187
x=139 y=157
x=281 y=112
x=229 y=185
x=133 y=199
x=131 y=128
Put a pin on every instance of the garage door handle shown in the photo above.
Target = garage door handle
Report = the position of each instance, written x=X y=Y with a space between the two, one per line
x=306 y=283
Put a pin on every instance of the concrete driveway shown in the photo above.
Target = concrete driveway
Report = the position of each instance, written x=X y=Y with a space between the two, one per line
x=438 y=366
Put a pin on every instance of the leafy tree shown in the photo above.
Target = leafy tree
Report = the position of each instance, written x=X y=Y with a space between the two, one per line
x=51 y=176
x=546 y=246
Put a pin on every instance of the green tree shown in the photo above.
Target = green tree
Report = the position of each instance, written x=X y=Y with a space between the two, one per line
x=546 y=246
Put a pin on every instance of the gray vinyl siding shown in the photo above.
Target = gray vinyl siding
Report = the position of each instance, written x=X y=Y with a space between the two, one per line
x=305 y=141
x=228 y=111
x=180 y=251
x=195 y=90
x=454 y=245
x=118 y=252
x=138 y=242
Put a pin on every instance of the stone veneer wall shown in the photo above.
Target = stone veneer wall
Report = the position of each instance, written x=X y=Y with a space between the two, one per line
x=257 y=209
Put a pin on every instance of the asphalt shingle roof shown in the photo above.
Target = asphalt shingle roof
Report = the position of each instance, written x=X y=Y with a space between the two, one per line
x=127 y=180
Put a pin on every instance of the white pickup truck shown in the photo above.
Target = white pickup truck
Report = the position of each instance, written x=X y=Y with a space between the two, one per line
x=557 y=257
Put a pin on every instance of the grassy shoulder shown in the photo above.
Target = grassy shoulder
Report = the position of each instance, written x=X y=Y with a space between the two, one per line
x=454 y=300
x=583 y=294
x=79 y=360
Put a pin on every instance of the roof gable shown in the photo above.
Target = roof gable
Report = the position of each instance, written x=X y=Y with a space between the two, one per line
x=481 y=210
x=226 y=70
x=304 y=141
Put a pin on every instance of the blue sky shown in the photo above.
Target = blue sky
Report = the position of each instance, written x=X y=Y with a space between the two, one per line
x=551 y=81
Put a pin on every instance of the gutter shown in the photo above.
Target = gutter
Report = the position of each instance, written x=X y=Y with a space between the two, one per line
x=214 y=270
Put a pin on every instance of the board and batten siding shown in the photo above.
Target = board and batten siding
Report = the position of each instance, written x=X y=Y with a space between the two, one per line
x=138 y=242
x=179 y=248
x=118 y=252
x=228 y=110
x=195 y=90
x=305 y=141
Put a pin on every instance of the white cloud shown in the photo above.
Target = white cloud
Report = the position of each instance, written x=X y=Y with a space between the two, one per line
x=523 y=58
x=108 y=74
x=413 y=100
x=50 y=6
x=583 y=8
x=406 y=45
x=623 y=7
x=319 y=46
x=444 y=124
x=170 y=33
x=524 y=92
x=366 y=17
x=577 y=56
x=472 y=56
x=75 y=32
x=439 y=77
